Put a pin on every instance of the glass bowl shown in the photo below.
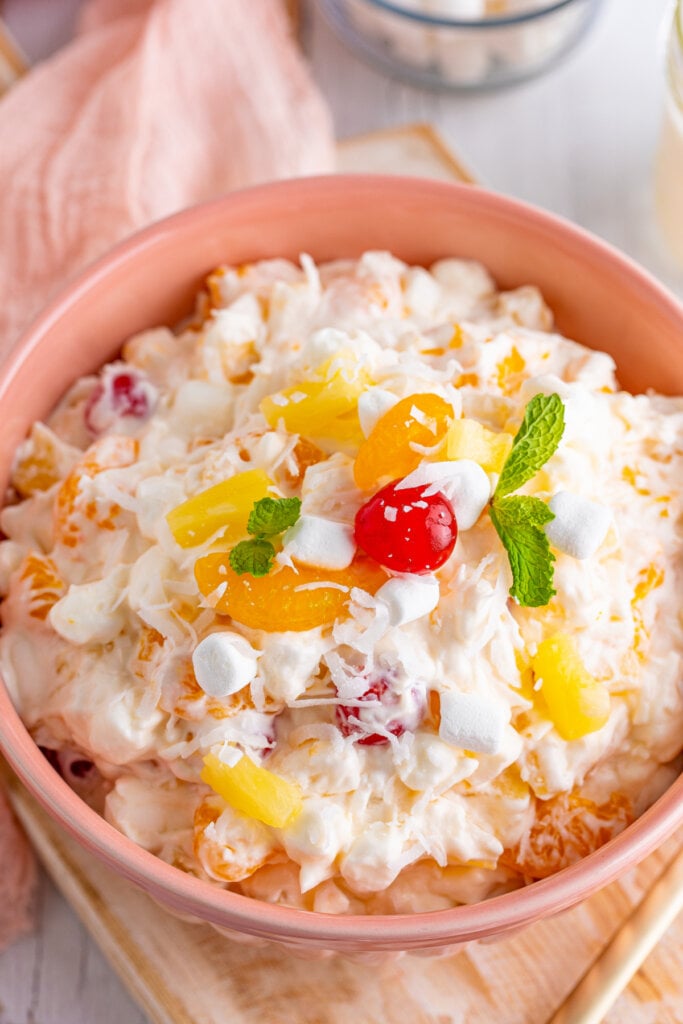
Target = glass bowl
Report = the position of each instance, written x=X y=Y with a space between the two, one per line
x=489 y=43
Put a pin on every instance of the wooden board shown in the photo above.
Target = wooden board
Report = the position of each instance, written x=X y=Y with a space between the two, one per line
x=413 y=149
x=187 y=974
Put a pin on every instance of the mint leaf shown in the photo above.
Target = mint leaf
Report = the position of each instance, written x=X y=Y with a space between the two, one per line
x=268 y=517
x=537 y=439
x=518 y=523
x=252 y=556
x=273 y=515
x=518 y=520
x=522 y=510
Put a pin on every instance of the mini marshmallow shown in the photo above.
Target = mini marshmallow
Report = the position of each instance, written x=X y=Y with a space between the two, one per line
x=472 y=722
x=91 y=612
x=320 y=542
x=372 y=405
x=409 y=597
x=420 y=291
x=580 y=525
x=224 y=663
x=200 y=410
x=463 y=482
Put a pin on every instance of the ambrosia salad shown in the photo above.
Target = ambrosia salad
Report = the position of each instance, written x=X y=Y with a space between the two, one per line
x=359 y=593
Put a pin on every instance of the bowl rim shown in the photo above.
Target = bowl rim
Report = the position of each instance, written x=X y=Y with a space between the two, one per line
x=494 y=22
x=190 y=895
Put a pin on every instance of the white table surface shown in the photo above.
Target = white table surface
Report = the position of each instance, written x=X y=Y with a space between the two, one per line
x=579 y=141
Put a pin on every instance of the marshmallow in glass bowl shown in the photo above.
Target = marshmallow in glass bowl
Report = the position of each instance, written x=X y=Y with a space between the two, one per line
x=461 y=44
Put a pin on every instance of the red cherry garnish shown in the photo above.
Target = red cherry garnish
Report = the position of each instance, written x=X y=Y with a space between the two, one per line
x=381 y=699
x=405 y=530
x=119 y=392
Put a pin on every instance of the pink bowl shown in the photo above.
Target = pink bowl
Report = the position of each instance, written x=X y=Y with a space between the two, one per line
x=599 y=297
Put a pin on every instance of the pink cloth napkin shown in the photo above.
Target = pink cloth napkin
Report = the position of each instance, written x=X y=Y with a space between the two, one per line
x=157 y=104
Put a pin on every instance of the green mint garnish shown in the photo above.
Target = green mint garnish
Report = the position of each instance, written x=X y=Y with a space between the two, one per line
x=537 y=439
x=271 y=516
x=268 y=518
x=519 y=520
x=253 y=556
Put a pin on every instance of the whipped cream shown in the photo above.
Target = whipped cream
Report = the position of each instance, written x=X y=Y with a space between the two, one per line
x=412 y=723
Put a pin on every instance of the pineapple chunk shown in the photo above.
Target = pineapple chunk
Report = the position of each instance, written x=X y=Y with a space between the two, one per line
x=468 y=439
x=225 y=505
x=577 y=703
x=254 y=791
x=323 y=408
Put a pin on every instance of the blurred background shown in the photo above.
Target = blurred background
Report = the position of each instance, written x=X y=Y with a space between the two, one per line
x=579 y=139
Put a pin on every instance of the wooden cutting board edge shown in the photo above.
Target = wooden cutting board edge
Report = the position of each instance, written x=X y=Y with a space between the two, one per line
x=58 y=855
x=445 y=163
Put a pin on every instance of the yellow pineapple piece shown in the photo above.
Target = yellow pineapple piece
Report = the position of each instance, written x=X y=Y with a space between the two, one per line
x=577 y=703
x=224 y=506
x=254 y=791
x=468 y=439
x=323 y=408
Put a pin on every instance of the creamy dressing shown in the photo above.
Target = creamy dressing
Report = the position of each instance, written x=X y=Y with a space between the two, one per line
x=97 y=643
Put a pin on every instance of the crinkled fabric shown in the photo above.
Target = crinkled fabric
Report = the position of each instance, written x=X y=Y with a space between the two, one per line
x=153 y=107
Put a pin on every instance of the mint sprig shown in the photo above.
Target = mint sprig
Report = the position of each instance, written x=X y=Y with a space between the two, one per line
x=268 y=518
x=273 y=515
x=536 y=441
x=519 y=520
x=252 y=556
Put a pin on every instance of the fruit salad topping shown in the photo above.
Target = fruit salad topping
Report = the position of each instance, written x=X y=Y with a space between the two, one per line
x=405 y=530
x=413 y=428
x=253 y=790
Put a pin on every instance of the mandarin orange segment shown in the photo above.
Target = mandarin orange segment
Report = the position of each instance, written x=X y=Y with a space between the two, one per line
x=411 y=430
x=41 y=462
x=577 y=703
x=567 y=828
x=468 y=439
x=43 y=584
x=189 y=702
x=304 y=455
x=323 y=408
x=287 y=599
x=253 y=790
x=231 y=862
x=111 y=452
x=225 y=506
x=510 y=373
x=649 y=578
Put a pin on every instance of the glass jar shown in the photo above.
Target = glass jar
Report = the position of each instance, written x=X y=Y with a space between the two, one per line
x=461 y=44
x=669 y=164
